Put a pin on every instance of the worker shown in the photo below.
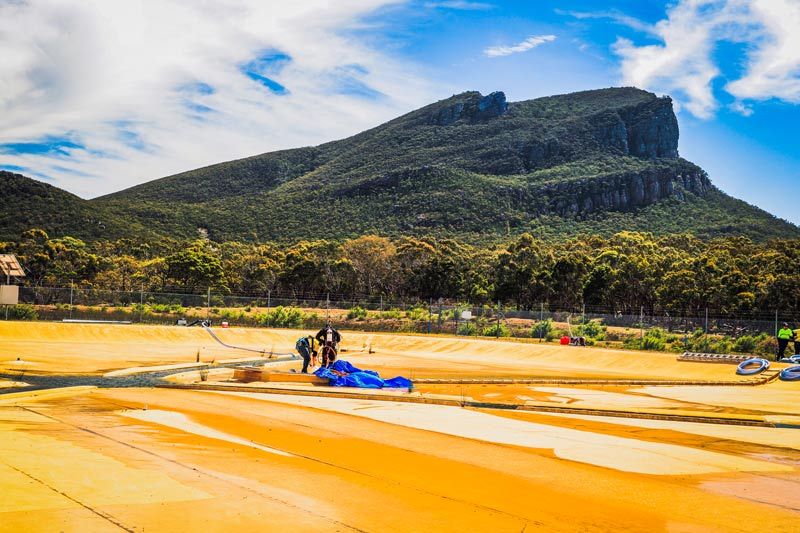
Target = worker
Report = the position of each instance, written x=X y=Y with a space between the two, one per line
x=307 y=348
x=313 y=345
x=785 y=334
x=328 y=354
x=328 y=334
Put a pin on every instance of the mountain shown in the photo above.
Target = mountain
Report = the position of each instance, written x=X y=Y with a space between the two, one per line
x=471 y=166
x=27 y=203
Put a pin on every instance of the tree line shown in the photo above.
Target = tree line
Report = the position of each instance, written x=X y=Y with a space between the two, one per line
x=622 y=273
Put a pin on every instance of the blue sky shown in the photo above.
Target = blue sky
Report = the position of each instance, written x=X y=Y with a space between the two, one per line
x=238 y=78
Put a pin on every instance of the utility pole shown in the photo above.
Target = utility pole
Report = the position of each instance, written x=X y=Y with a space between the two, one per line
x=269 y=297
x=71 y=288
x=141 y=304
x=208 y=304
x=706 y=321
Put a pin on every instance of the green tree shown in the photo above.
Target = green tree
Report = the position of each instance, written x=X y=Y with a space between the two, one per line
x=196 y=266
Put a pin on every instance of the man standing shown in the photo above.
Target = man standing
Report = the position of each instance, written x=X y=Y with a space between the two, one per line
x=785 y=334
x=329 y=335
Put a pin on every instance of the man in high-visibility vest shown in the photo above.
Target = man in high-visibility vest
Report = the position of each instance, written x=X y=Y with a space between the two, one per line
x=785 y=334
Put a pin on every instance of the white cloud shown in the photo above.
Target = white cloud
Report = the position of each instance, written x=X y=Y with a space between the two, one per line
x=683 y=63
x=773 y=70
x=462 y=5
x=615 y=15
x=531 y=42
x=151 y=88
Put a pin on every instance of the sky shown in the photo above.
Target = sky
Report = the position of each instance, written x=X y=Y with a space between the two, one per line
x=100 y=95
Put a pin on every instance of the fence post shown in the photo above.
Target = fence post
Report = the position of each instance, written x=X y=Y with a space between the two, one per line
x=497 y=325
x=776 y=322
x=541 y=322
x=430 y=312
x=641 y=321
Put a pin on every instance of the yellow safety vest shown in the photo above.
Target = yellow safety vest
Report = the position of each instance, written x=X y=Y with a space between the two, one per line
x=785 y=334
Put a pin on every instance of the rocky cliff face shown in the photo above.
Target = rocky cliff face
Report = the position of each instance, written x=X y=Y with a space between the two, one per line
x=474 y=108
x=651 y=129
x=648 y=130
x=620 y=192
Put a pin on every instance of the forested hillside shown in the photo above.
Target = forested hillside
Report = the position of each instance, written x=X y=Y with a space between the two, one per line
x=471 y=167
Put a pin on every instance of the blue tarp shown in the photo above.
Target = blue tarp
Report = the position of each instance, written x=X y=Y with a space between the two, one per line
x=355 y=377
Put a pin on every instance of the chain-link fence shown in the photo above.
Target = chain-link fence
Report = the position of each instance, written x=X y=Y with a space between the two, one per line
x=371 y=313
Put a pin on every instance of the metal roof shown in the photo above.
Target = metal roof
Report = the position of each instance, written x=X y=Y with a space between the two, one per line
x=10 y=266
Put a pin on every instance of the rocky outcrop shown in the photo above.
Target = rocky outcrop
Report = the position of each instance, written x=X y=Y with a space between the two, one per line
x=490 y=106
x=652 y=129
x=618 y=192
x=475 y=109
x=649 y=130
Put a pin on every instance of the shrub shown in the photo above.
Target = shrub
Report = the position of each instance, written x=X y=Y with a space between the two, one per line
x=357 y=313
x=282 y=317
x=467 y=329
x=394 y=314
x=23 y=312
x=447 y=314
x=542 y=329
x=655 y=339
x=767 y=345
x=745 y=344
x=556 y=333
x=709 y=344
x=652 y=343
x=594 y=329
x=417 y=313
x=231 y=315
x=496 y=330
